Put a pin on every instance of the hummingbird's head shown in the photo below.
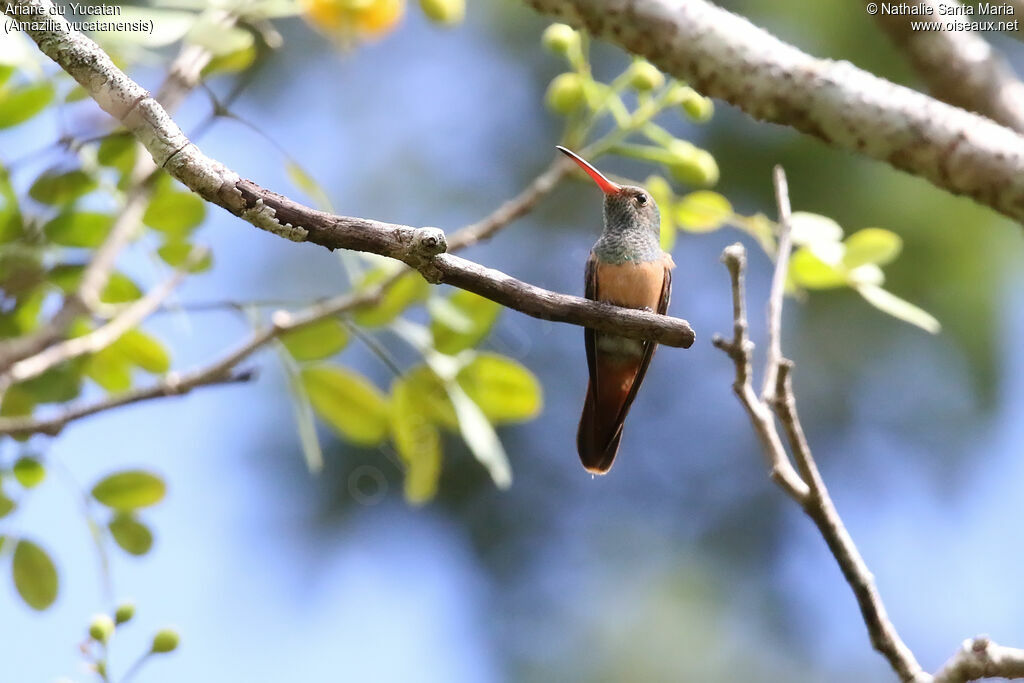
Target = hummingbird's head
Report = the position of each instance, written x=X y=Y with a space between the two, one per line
x=626 y=207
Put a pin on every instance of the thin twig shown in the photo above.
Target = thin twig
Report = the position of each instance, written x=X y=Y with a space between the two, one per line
x=778 y=291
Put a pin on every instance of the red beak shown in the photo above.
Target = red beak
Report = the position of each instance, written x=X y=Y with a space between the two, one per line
x=607 y=186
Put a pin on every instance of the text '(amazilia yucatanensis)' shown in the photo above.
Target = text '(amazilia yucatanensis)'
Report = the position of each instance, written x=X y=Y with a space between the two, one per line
x=627 y=268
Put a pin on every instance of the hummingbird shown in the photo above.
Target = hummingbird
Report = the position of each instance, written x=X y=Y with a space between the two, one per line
x=627 y=268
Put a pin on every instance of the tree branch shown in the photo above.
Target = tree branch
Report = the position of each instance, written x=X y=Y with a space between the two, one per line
x=420 y=248
x=959 y=67
x=807 y=488
x=725 y=56
x=980 y=658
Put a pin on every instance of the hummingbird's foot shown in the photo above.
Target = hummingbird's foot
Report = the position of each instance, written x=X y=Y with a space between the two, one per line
x=647 y=309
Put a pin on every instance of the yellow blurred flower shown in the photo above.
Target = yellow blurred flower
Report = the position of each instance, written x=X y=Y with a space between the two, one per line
x=354 y=18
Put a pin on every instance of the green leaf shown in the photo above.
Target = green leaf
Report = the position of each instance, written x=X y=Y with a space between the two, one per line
x=119 y=290
x=169 y=26
x=308 y=184
x=811 y=228
x=317 y=341
x=348 y=402
x=76 y=94
x=117 y=150
x=59 y=384
x=129 y=490
x=888 y=302
x=417 y=441
x=174 y=213
x=505 y=390
x=35 y=577
x=305 y=421
x=702 y=211
x=79 y=229
x=133 y=536
x=29 y=471
x=212 y=35
x=7 y=505
x=428 y=390
x=11 y=224
x=409 y=289
x=20 y=104
x=232 y=62
x=110 y=369
x=477 y=316
x=873 y=246
x=176 y=253
x=480 y=437
x=144 y=351
x=807 y=270
x=61 y=188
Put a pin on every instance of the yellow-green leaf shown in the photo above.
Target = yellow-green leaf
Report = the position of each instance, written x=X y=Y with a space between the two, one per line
x=409 y=289
x=110 y=369
x=417 y=441
x=479 y=315
x=899 y=308
x=6 y=505
x=316 y=341
x=702 y=211
x=130 y=534
x=807 y=270
x=29 y=471
x=176 y=252
x=505 y=390
x=348 y=402
x=144 y=351
x=35 y=577
x=129 y=490
x=874 y=246
x=432 y=399
x=811 y=228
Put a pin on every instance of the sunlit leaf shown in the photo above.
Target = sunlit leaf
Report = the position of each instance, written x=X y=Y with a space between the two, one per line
x=7 y=505
x=20 y=104
x=11 y=224
x=59 y=384
x=702 y=211
x=417 y=441
x=57 y=188
x=473 y=318
x=308 y=184
x=176 y=253
x=212 y=35
x=807 y=270
x=129 y=490
x=505 y=390
x=867 y=274
x=144 y=351
x=409 y=289
x=348 y=402
x=117 y=150
x=873 y=246
x=317 y=341
x=899 y=308
x=110 y=369
x=79 y=229
x=480 y=437
x=119 y=289
x=35 y=576
x=29 y=471
x=169 y=26
x=232 y=62
x=130 y=534
x=811 y=228
x=426 y=388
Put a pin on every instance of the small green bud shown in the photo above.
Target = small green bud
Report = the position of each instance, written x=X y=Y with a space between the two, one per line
x=165 y=640
x=692 y=165
x=124 y=612
x=444 y=12
x=644 y=76
x=697 y=107
x=676 y=93
x=101 y=628
x=29 y=471
x=565 y=94
x=560 y=39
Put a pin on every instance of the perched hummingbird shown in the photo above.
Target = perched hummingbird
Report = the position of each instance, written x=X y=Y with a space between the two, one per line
x=627 y=268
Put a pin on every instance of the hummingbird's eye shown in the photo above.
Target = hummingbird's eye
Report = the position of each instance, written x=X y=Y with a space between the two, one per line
x=641 y=199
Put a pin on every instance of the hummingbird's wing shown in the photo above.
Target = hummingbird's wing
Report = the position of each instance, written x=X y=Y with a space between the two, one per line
x=614 y=379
